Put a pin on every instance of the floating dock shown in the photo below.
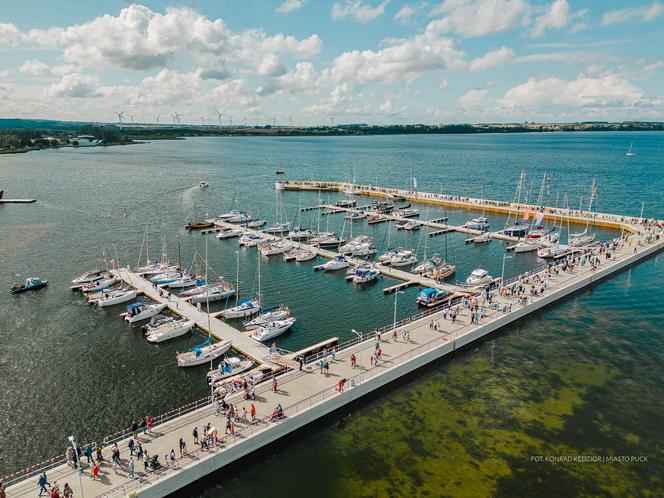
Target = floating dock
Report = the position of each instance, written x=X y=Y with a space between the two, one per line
x=306 y=395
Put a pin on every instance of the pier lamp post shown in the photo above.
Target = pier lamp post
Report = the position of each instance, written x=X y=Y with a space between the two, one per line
x=502 y=273
x=78 y=463
x=396 y=293
x=359 y=352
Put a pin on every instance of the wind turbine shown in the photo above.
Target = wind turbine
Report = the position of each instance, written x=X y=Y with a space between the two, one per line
x=245 y=121
x=156 y=119
x=290 y=120
x=131 y=116
x=274 y=120
x=219 y=115
x=176 y=117
x=230 y=120
x=120 y=114
x=203 y=120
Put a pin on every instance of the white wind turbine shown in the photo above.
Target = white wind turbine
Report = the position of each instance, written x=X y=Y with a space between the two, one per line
x=131 y=116
x=219 y=116
x=119 y=115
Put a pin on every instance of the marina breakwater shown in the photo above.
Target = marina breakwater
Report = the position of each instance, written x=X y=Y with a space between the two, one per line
x=307 y=395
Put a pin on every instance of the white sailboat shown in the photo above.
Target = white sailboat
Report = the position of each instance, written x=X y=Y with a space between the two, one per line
x=271 y=330
x=217 y=292
x=337 y=263
x=629 y=152
x=203 y=353
x=170 y=330
x=280 y=313
x=115 y=297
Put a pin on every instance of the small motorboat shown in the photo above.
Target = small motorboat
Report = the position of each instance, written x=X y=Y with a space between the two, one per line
x=403 y=258
x=479 y=276
x=273 y=248
x=115 y=297
x=523 y=247
x=306 y=255
x=338 y=263
x=244 y=309
x=256 y=223
x=89 y=276
x=365 y=275
x=355 y=215
x=170 y=330
x=279 y=172
x=431 y=297
x=346 y=203
x=203 y=353
x=186 y=281
x=409 y=225
x=280 y=313
x=407 y=213
x=396 y=197
x=141 y=311
x=32 y=283
x=199 y=225
x=376 y=218
x=156 y=321
x=552 y=252
x=480 y=223
x=516 y=231
x=271 y=330
x=218 y=292
x=203 y=184
x=279 y=228
x=99 y=285
x=228 y=367
x=229 y=233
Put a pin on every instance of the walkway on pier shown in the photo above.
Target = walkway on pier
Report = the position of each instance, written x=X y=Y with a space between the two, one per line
x=180 y=306
x=302 y=392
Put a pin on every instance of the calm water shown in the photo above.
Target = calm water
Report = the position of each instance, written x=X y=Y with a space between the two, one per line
x=585 y=377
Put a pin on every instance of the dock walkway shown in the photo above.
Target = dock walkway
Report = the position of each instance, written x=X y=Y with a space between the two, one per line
x=180 y=306
x=308 y=394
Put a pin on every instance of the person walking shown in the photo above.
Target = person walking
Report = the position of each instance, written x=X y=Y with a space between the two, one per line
x=252 y=411
x=195 y=434
x=146 y=461
x=88 y=452
x=43 y=482
x=274 y=384
x=67 y=492
x=131 y=468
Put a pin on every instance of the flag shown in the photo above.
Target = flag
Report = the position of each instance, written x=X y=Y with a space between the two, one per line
x=526 y=215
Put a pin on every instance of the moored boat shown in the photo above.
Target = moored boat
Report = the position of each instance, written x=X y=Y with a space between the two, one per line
x=271 y=330
x=218 y=292
x=243 y=309
x=115 y=297
x=479 y=276
x=306 y=255
x=141 y=311
x=339 y=262
x=479 y=223
x=170 y=330
x=203 y=353
x=432 y=296
x=228 y=367
x=365 y=275
x=280 y=313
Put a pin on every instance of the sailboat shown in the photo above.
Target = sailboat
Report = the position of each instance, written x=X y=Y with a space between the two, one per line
x=585 y=238
x=629 y=152
x=247 y=307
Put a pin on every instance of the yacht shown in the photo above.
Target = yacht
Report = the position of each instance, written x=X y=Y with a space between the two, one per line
x=298 y=233
x=523 y=247
x=244 y=309
x=480 y=223
x=115 y=297
x=306 y=255
x=256 y=223
x=339 y=262
x=170 y=330
x=186 y=281
x=409 y=225
x=479 y=276
x=516 y=231
x=271 y=330
x=218 y=292
x=431 y=297
x=229 y=367
x=365 y=275
x=279 y=228
x=203 y=353
x=89 y=276
x=141 y=311
x=274 y=247
x=387 y=256
x=355 y=215
x=280 y=313
x=229 y=233
x=403 y=258
x=331 y=241
x=407 y=213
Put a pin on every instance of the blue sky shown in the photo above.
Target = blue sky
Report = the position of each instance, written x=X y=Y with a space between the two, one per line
x=308 y=62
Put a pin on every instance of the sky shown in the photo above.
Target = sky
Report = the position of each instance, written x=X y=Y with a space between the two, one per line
x=312 y=62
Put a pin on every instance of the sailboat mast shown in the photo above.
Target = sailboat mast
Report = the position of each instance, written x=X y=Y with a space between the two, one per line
x=259 y=278
x=237 y=277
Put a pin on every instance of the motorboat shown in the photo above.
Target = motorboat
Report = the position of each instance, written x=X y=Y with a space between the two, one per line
x=99 y=285
x=346 y=203
x=279 y=313
x=372 y=219
x=271 y=330
x=203 y=353
x=298 y=233
x=274 y=247
x=338 y=263
x=485 y=238
x=228 y=367
x=199 y=225
x=407 y=213
x=186 y=281
x=480 y=223
x=280 y=172
x=306 y=255
x=387 y=256
x=365 y=275
x=516 y=231
x=523 y=247
x=32 y=283
x=409 y=225
x=256 y=223
x=141 y=311
x=279 y=228
x=403 y=258
x=229 y=233
x=430 y=264
x=555 y=251
x=89 y=276
x=244 y=309
x=156 y=321
x=218 y=292
x=115 y=297
x=331 y=241
x=432 y=296
x=170 y=330
x=382 y=206
x=203 y=184
x=479 y=276
x=396 y=197
x=355 y=215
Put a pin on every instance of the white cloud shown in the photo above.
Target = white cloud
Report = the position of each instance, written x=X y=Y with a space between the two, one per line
x=557 y=15
x=140 y=39
x=651 y=68
x=473 y=99
x=608 y=89
x=37 y=68
x=74 y=85
x=645 y=13
x=290 y=6
x=358 y=10
x=472 y=18
x=405 y=14
x=271 y=66
x=404 y=60
x=498 y=57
